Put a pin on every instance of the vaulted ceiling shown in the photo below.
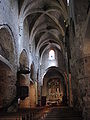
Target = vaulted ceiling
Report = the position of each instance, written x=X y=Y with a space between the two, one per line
x=47 y=20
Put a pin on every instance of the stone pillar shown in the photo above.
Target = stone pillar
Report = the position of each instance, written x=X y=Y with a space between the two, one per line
x=25 y=82
x=86 y=51
x=87 y=87
x=32 y=95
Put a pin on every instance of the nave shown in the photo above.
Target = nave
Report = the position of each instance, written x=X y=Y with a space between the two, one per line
x=44 y=59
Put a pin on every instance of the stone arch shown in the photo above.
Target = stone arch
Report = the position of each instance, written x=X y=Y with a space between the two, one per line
x=7 y=67
x=7 y=45
x=23 y=60
x=54 y=84
x=48 y=63
x=57 y=69
x=7 y=84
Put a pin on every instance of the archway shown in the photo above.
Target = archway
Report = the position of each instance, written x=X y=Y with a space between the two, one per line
x=7 y=45
x=7 y=68
x=54 y=88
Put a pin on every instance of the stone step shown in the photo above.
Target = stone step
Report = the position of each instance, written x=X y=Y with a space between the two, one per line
x=10 y=118
x=63 y=119
x=66 y=114
x=63 y=114
x=52 y=114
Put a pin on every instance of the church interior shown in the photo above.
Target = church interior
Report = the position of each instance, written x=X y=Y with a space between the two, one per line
x=44 y=59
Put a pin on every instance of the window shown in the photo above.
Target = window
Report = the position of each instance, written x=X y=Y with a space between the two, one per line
x=51 y=55
x=67 y=2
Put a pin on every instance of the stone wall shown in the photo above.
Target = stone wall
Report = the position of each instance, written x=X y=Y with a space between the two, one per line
x=80 y=52
x=46 y=63
x=11 y=46
x=9 y=18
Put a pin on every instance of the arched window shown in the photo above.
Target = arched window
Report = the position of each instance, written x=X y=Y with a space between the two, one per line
x=67 y=2
x=51 y=55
